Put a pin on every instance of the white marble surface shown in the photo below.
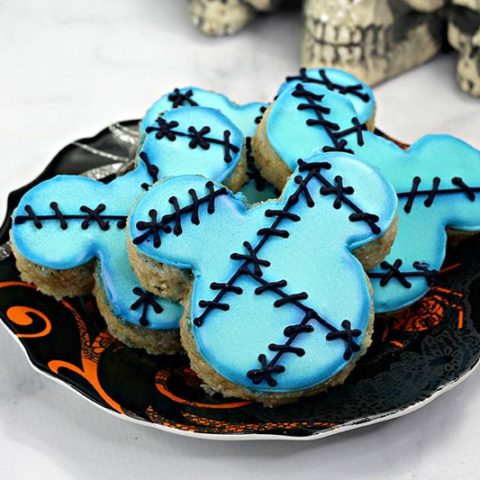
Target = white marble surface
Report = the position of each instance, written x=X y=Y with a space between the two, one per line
x=67 y=68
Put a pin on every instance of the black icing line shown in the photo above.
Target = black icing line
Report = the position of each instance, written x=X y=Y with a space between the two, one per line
x=264 y=373
x=459 y=187
x=89 y=217
x=251 y=262
x=252 y=255
x=179 y=99
x=250 y=258
x=339 y=144
x=152 y=170
x=313 y=103
x=145 y=300
x=355 y=89
x=154 y=226
x=198 y=138
x=393 y=271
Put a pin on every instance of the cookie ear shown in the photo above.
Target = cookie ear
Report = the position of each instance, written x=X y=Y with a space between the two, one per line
x=362 y=202
x=339 y=82
x=445 y=181
x=181 y=220
x=191 y=141
x=127 y=298
x=306 y=119
x=64 y=211
x=245 y=117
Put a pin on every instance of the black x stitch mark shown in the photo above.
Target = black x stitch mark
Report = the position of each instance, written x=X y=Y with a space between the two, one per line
x=264 y=373
x=179 y=99
x=93 y=215
x=164 y=129
x=145 y=300
x=339 y=190
x=152 y=229
x=251 y=258
x=348 y=335
x=198 y=137
x=422 y=270
x=394 y=272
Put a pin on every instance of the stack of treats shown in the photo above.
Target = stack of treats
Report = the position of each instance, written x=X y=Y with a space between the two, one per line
x=260 y=239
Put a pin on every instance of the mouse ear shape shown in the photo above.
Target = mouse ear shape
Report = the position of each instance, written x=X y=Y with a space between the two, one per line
x=444 y=179
x=66 y=211
x=362 y=202
x=340 y=82
x=191 y=140
x=306 y=119
x=245 y=117
x=181 y=220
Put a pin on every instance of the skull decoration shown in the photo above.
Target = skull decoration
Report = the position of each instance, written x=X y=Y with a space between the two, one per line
x=373 y=39
x=464 y=36
x=226 y=17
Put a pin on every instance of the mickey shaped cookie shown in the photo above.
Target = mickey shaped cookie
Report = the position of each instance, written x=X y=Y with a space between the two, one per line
x=68 y=233
x=280 y=304
x=341 y=82
x=436 y=180
x=246 y=117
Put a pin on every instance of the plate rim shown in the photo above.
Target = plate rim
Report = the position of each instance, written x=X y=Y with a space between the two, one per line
x=232 y=437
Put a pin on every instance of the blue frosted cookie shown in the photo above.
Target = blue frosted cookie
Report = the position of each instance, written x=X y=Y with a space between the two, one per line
x=68 y=233
x=246 y=117
x=280 y=305
x=437 y=181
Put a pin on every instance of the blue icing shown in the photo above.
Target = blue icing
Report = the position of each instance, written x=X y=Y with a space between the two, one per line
x=421 y=239
x=245 y=322
x=245 y=117
x=200 y=129
x=62 y=248
x=338 y=81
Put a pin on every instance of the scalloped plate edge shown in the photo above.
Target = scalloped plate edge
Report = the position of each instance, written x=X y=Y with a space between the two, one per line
x=349 y=426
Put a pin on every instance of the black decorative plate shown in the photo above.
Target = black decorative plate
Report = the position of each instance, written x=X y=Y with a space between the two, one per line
x=414 y=357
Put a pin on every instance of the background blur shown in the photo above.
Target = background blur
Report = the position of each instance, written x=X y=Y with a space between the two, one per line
x=67 y=69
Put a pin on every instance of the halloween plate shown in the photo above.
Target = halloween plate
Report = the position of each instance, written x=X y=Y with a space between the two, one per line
x=414 y=357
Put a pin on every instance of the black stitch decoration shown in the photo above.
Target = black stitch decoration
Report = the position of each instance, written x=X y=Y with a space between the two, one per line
x=198 y=138
x=153 y=228
x=355 y=89
x=433 y=358
x=392 y=271
x=89 y=216
x=145 y=300
x=179 y=99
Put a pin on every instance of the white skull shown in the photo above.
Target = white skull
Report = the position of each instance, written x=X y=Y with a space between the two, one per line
x=220 y=17
x=464 y=36
x=369 y=38
x=226 y=17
